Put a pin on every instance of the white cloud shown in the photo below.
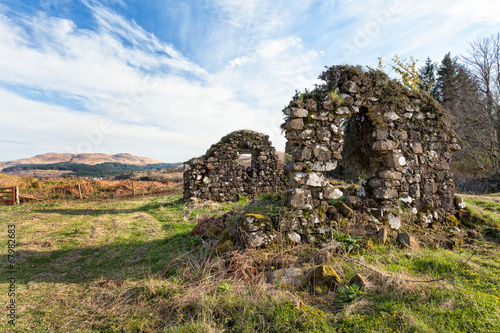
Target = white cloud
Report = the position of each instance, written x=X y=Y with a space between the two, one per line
x=164 y=105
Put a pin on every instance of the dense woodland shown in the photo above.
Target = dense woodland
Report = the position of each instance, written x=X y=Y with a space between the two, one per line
x=468 y=86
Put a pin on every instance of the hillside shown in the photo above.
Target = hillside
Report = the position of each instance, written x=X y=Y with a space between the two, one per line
x=90 y=159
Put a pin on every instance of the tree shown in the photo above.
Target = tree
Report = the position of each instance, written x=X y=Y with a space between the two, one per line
x=457 y=90
x=484 y=60
x=427 y=75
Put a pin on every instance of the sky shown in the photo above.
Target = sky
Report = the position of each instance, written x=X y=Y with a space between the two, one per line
x=166 y=79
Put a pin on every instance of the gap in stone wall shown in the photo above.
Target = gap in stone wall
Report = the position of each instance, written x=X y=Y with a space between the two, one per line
x=357 y=152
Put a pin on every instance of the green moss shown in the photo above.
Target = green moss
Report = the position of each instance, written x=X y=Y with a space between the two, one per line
x=323 y=278
x=213 y=232
x=257 y=216
x=225 y=247
x=452 y=220
x=225 y=236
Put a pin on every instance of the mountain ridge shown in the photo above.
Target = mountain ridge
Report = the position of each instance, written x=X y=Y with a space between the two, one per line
x=85 y=158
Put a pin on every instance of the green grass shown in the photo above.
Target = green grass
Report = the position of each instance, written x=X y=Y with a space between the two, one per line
x=131 y=266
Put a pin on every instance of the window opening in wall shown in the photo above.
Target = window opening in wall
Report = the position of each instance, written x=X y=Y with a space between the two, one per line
x=357 y=153
x=245 y=160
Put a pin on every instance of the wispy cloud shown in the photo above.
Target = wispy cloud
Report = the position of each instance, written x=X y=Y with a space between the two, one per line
x=63 y=86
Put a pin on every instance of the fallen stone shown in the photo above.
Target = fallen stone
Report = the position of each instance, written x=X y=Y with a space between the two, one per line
x=358 y=279
x=323 y=278
x=260 y=238
x=288 y=277
x=224 y=247
x=394 y=221
x=382 y=235
x=405 y=240
x=294 y=237
x=256 y=222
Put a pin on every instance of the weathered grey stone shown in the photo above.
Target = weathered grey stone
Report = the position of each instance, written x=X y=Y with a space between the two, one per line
x=394 y=221
x=256 y=222
x=385 y=193
x=332 y=193
x=316 y=180
x=260 y=238
x=294 y=237
x=391 y=116
x=289 y=277
x=298 y=113
x=295 y=124
x=301 y=199
x=324 y=166
x=388 y=174
x=384 y=145
x=404 y=239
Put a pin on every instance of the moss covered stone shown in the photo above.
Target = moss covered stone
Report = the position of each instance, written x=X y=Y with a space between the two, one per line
x=224 y=247
x=225 y=236
x=452 y=220
x=323 y=278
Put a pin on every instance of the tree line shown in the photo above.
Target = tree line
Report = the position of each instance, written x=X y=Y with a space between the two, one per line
x=468 y=86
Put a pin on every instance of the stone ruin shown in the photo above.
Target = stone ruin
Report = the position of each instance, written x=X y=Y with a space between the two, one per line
x=219 y=176
x=398 y=143
x=363 y=148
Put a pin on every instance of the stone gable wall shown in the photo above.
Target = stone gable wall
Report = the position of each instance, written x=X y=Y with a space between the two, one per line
x=218 y=176
x=407 y=138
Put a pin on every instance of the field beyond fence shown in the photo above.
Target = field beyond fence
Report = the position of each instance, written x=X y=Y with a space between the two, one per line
x=32 y=189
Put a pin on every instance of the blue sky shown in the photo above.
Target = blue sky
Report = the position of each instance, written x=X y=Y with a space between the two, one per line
x=166 y=79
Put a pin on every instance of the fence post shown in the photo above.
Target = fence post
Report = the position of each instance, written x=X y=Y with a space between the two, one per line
x=133 y=188
x=80 y=191
x=18 y=202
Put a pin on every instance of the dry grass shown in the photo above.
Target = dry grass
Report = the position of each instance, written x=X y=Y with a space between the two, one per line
x=69 y=188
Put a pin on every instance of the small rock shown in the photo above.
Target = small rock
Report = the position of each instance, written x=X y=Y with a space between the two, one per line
x=323 y=278
x=394 y=221
x=353 y=202
x=225 y=247
x=288 y=277
x=405 y=240
x=294 y=237
x=344 y=209
x=382 y=235
x=472 y=234
x=358 y=279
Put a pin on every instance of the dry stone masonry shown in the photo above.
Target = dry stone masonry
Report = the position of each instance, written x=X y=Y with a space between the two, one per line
x=396 y=141
x=218 y=175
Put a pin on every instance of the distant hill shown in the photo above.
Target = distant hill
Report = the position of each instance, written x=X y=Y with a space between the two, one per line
x=81 y=165
x=89 y=159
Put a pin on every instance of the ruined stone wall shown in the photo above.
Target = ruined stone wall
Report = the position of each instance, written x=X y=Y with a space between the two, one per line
x=218 y=176
x=406 y=136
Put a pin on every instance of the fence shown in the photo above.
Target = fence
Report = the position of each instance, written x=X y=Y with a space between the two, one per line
x=9 y=196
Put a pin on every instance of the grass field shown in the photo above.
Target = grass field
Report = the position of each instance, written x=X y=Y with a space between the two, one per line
x=131 y=265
